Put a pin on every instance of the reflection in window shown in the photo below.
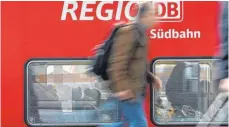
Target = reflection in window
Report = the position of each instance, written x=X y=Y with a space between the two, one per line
x=164 y=71
x=72 y=75
x=185 y=94
x=62 y=93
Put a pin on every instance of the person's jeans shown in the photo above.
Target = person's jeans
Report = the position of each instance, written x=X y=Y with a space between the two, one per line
x=131 y=114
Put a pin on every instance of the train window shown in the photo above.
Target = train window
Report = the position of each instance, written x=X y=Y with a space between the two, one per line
x=62 y=92
x=187 y=93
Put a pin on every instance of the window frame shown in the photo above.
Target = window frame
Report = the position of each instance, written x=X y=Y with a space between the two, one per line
x=152 y=91
x=26 y=111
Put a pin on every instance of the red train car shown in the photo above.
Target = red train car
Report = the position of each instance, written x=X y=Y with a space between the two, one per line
x=46 y=30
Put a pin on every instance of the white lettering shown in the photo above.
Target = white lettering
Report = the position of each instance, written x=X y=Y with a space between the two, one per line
x=189 y=33
x=108 y=12
x=162 y=33
x=159 y=9
x=197 y=34
x=67 y=10
x=167 y=34
x=153 y=34
x=174 y=34
x=127 y=10
x=183 y=35
x=119 y=10
x=86 y=9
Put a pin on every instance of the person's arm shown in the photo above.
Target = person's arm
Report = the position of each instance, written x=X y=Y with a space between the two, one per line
x=121 y=54
x=154 y=80
x=149 y=77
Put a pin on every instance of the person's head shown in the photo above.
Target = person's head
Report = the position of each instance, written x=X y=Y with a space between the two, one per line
x=146 y=14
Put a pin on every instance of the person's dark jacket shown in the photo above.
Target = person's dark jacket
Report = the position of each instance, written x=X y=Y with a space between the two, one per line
x=224 y=42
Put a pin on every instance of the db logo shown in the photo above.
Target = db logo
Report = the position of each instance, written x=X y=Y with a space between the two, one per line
x=168 y=11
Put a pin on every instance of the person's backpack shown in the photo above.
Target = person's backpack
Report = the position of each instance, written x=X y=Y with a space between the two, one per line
x=100 y=64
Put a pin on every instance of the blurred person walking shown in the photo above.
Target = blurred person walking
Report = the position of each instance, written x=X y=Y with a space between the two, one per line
x=128 y=71
x=223 y=63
